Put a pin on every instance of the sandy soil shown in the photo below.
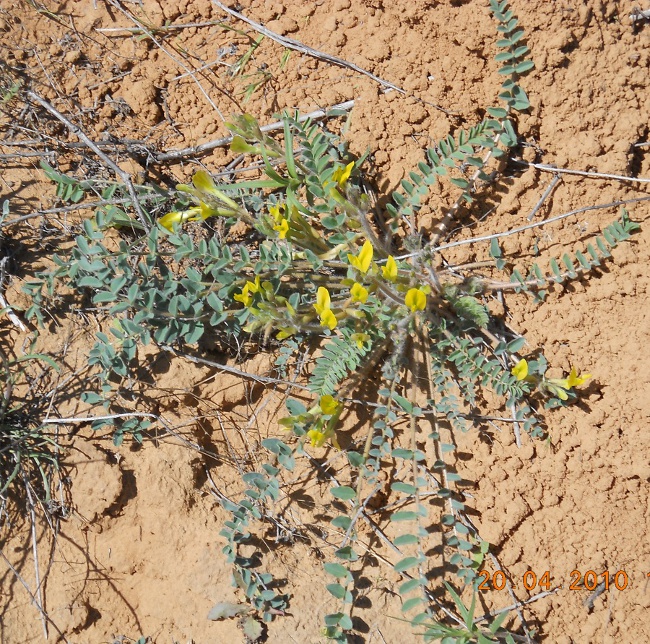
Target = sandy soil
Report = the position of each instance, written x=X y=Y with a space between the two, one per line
x=140 y=554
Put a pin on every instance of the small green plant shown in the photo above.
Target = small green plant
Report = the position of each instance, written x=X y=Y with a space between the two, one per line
x=321 y=265
x=28 y=451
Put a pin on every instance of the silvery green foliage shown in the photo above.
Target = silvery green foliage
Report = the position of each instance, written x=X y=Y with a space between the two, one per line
x=167 y=287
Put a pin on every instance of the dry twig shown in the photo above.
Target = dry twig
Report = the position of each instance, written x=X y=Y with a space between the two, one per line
x=317 y=115
x=78 y=132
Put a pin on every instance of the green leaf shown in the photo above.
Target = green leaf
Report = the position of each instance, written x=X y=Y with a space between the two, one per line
x=404 y=515
x=411 y=603
x=91 y=398
x=252 y=629
x=409 y=585
x=407 y=488
x=346 y=553
x=406 y=405
x=344 y=492
x=337 y=590
x=524 y=66
x=407 y=563
x=336 y=570
x=343 y=522
x=346 y=623
x=103 y=296
x=405 y=540
x=497 y=112
x=516 y=345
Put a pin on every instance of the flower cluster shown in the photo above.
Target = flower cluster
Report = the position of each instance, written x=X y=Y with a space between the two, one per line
x=560 y=387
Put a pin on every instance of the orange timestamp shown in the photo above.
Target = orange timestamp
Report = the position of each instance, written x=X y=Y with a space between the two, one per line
x=590 y=580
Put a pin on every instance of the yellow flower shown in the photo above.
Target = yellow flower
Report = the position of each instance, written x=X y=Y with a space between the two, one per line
x=322 y=300
x=341 y=175
x=282 y=228
x=328 y=404
x=316 y=438
x=360 y=339
x=359 y=293
x=322 y=306
x=277 y=212
x=575 y=380
x=561 y=387
x=244 y=297
x=178 y=216
x=203 y=182
x=520 y=370
x=328 y=319
x=362 y=261
x=389 y=270
x=254 y=287
x=415 y=299
x=285 y=332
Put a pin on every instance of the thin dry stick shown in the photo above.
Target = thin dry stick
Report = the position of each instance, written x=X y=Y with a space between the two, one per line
x=640 y=14
x=72 y=208
x=556 y=179
x=519 y=604
x=581 y=173
x=473 y=240
x=233 y=370
x=37 y=574
x=90 y=419
x=131 y=30
x=33 y=597
x=76 y=130
x=317 y=115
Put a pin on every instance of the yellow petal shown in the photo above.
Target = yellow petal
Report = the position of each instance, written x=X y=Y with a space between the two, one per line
x=282 y=228
x=276 y=212
x=328 y=319
x=207 y=211
x=178 y=216
x=167 y=221
x=316 y=438
x=365 y=256
x=322 y=300
x=389 y=270
x=575 y=380
x=362 y=261
x=341 y=175
x=244 y=297
x=328 y=404
x=520 y=370
x=360 y=339
x=203 y=181
x=415 y=299
x=254 y=287
x=359 y=293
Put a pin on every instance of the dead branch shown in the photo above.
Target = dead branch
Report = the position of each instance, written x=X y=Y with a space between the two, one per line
x=78 y=132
